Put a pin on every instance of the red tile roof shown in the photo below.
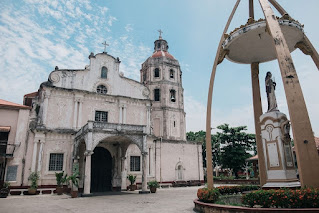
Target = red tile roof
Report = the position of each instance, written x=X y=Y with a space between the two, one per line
x=8 y=104
x=161 y=53
x=33 y=94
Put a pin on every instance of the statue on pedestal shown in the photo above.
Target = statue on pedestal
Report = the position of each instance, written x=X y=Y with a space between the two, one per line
x=270 y=90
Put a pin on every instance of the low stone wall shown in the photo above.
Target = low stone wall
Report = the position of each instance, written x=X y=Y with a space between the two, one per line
x=201 y=207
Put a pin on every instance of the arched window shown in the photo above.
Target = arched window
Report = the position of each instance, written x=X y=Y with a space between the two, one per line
x=157 y=73
x=171 y=73
x=101 y=89
x=180 y=172
x=104 y=72
x=173 y=95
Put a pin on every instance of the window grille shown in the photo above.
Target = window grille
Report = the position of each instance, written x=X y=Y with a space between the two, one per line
x=56 y=162
x=101 y=116
x=135 y=163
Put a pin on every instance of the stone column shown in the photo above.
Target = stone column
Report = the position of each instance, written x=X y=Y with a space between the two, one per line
x=124 y=115
x=123 y=172
x=307 y=155
x=148 y=117
x=151 y=163
x=144 y=167
x=144 y=171
x=34 y=155
x=87 y=176
x=75 y=113
x=257 y=113
x=80 y=114
x=40 y=157
x=45 y=107
x=121 y=115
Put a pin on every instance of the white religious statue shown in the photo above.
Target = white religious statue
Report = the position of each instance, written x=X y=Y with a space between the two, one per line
x=270 y=90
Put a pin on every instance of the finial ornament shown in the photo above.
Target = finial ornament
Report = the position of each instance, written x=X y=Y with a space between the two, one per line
x=160 y=33
x=105 y=44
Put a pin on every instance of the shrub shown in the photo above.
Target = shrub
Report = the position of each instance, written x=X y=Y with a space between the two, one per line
x=283 y=198
x=208 y=195
x=236 y=189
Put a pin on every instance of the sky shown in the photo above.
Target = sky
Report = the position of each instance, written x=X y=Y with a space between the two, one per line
x=37 y=35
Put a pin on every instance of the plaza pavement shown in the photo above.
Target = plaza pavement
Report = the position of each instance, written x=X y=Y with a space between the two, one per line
x=164 y=200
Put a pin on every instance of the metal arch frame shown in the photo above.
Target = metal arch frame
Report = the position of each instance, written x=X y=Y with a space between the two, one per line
x=302 y=130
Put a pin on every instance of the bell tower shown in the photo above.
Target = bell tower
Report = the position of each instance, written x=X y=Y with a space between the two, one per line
x=161 y=73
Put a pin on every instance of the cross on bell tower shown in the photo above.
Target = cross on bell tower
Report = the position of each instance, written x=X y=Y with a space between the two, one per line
x=160 y=33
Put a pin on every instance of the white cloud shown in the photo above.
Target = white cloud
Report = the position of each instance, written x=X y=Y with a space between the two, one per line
x=57 y=33
x=111 y=20
x=128 y=28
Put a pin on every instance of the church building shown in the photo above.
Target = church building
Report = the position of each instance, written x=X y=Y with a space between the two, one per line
x=108 y=125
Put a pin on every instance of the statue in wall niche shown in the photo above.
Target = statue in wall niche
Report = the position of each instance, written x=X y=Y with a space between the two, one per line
x=270 y=90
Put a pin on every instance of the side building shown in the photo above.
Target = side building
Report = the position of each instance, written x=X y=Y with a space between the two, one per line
x=110 y=126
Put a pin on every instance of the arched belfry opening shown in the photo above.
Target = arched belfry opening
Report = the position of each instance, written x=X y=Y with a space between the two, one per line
x=259 y=41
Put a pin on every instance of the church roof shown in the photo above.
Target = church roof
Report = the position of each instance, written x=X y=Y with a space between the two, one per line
x=8 y=104
x=33 y=94
x=161 y=53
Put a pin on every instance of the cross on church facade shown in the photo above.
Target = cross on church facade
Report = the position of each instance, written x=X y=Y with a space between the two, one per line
x=105 y=44
x=160 y=32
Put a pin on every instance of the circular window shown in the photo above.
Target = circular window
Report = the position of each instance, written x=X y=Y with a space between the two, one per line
x=101 y=89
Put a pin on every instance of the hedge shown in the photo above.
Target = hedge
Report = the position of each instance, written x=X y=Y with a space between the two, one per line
x=211 y=195
x=283 y=198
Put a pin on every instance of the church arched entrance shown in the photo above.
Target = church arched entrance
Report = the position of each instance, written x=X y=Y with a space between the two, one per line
x=101 y=170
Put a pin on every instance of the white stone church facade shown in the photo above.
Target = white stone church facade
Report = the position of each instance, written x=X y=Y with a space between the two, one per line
x=110 y=125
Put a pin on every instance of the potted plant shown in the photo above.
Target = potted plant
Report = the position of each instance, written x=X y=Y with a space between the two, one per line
x=60 y=179
x=4 y=192
x=34 y=177
x=132 y=179
x=74 y=185
x=153 y=185
x=65 y=184
x=74 y=179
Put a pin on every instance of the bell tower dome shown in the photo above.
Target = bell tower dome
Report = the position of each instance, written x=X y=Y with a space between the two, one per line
x=161 y=73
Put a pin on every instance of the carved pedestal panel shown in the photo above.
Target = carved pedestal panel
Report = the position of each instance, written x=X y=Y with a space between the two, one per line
x=276 y=142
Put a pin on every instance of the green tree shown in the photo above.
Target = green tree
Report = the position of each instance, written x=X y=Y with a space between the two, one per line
x=200 y=136
x=235 y=143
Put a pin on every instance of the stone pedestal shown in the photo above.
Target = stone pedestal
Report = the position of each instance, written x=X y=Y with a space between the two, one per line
x=276 y=142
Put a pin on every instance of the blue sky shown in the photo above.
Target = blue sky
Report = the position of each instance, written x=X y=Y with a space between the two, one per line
x=37 y=35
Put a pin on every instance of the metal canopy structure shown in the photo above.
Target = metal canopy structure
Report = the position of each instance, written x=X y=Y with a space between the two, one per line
x=261 y=41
